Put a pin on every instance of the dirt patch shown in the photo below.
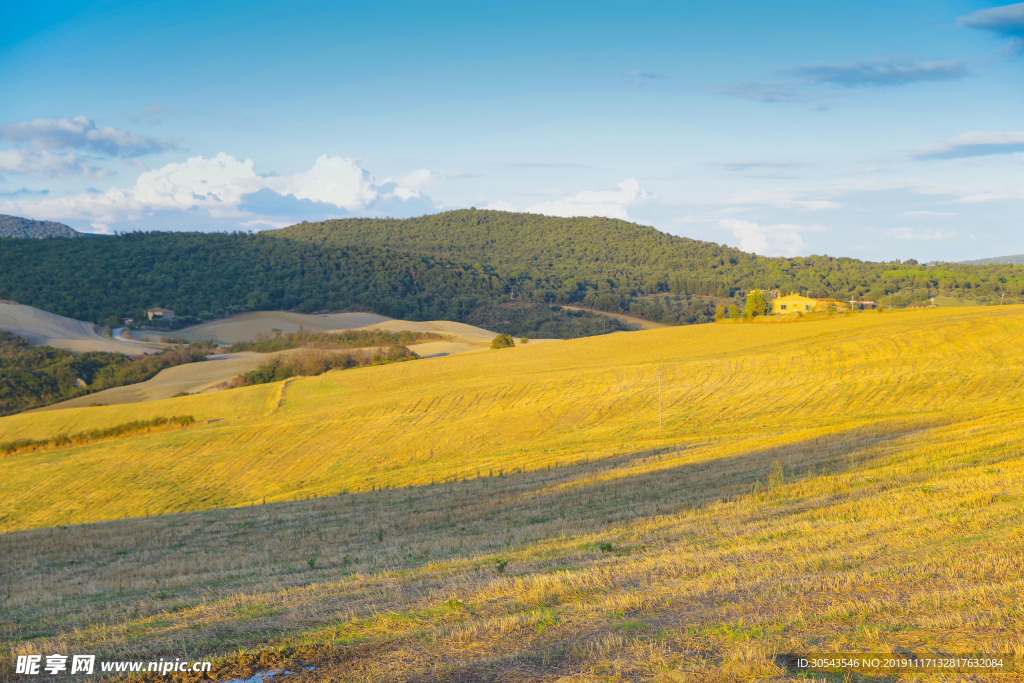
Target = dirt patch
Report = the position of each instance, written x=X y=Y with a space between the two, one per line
x=245 y=326
x=459 y=331
x=46 y=329
x=444 y=348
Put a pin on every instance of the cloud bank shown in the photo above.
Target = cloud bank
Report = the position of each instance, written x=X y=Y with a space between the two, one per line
x=225 y=187
x=812 y=82
x=46 y=164
x=606 y=203
x=881 y=73
x=782 y=239
x=1007 y=20
x=81 y=133
x=973 y=144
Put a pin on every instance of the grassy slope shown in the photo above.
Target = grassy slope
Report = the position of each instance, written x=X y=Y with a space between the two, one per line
x=851 y=483
x=530 y=407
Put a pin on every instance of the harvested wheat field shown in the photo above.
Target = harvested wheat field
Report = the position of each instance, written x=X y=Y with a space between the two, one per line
x=46 y=329
x=245 y=326
x=828 y=484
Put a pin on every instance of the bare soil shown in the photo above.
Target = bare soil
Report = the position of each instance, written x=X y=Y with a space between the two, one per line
x=46 y=329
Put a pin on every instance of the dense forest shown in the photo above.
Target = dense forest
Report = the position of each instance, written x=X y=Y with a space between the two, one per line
x=34 y=376
x=484 y=267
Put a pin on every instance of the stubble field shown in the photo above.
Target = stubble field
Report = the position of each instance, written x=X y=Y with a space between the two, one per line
x=851 y=483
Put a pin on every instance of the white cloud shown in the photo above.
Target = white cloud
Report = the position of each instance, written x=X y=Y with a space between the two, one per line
x=926 y=213
x=220 y=187
x=499 y=206
x=607 y=203
x=332 y=180
x=786 y=199
x=922 y=236
x=973 y=144
x=782 y=239
x=81 y=133
x=47 y=164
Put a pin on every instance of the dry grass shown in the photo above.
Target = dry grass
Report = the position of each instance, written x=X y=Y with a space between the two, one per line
x=239 y=404
x=851 y=484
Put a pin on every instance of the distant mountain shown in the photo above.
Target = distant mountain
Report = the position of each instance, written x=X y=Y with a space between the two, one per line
x=13 y=226
x=1016 y=260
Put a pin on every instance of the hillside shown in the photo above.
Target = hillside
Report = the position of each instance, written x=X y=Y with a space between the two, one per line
x=1017 y=259
x=491 y=269
x=834 y=484
x=33 y=376
x=46 y=329
x=13 y=226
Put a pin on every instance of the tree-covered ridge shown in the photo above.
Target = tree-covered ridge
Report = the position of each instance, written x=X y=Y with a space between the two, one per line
x=34 y=376
x=467 y=266
x=13 y=226
x=201 y=275
x=569 y=255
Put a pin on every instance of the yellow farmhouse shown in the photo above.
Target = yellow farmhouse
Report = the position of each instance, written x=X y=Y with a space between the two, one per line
x=791 y=303
x=797 y=303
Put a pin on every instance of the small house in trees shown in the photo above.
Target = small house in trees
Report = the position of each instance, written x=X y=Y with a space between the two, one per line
x=162 y=312
x=797 y=303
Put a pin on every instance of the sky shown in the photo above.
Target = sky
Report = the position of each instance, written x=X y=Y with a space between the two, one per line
x=875 y=130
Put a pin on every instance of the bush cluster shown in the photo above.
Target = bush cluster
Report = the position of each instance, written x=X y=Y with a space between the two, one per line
x=95 y=434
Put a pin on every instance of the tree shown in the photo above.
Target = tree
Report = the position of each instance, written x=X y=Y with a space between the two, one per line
x=757 y=303
x=734 y=312
x=502 y=341
x=719 y=313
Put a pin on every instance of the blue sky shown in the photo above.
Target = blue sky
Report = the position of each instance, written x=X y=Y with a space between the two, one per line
x=873 y=130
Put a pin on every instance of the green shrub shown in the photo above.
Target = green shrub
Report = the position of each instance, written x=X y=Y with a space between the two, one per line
x=502 y=341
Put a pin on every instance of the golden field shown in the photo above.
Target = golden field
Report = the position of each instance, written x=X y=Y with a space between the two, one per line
x=826 y=484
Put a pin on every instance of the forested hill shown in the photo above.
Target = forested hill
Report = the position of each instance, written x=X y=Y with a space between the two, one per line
x=1016 y=258
x=542 y=249
x=13 y=226
x=567 y=258
x=489 y=268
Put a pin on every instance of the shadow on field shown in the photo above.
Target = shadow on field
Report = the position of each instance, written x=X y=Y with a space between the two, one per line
x=168 y=585
x=646 y=483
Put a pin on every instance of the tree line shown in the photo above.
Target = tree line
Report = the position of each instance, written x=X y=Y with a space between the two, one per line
x=35 y=376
